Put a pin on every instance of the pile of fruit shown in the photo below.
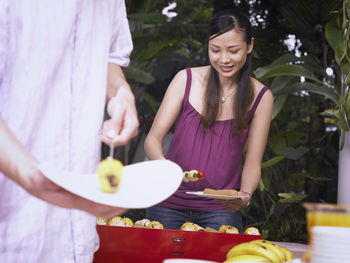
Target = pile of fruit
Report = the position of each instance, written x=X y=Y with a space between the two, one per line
x=188 y=226
x=125 y=221
x=259 y=251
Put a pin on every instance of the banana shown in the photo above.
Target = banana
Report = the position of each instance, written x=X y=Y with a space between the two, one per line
x=273 y=247
x=248 y=258
x=288 y=253
x=250 y=248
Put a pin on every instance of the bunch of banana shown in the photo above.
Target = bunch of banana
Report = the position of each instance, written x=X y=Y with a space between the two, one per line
x=259 y=251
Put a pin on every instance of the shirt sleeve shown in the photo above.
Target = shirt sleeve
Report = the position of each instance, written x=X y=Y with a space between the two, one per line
x=4 y=9
x=121 y=42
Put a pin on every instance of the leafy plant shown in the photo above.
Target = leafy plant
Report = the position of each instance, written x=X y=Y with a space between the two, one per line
x=338 y=36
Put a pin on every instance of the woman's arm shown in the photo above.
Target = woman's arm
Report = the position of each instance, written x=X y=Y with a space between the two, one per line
x=257 y=139
x=258 y=132
x=166 y=116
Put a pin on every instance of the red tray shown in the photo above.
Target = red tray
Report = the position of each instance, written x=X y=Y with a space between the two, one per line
x=131 y=244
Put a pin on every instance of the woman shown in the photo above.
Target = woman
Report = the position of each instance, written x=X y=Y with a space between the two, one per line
x=217 y=109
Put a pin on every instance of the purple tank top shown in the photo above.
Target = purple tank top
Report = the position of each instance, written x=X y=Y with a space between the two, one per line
x=215 y=152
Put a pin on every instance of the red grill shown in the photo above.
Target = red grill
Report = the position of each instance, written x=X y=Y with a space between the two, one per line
x=131 y=244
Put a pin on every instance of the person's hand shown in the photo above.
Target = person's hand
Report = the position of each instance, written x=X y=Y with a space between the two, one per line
x=32 y=180
x=18 y=164
x=235 y=205
x=123 y=124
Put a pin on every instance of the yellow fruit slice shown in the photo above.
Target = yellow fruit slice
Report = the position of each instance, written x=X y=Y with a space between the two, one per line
x=142 y=223
x=101 y=221
x=116 y=221
x=155 y=224
x=251 y=231
x=228 y=229
x=110 y=173
x=128 y=222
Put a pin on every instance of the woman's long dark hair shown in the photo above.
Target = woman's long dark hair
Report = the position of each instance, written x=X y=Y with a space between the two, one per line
x=221 y=23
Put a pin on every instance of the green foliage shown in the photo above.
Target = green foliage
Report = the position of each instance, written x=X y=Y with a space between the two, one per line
x=300 y=161
x=338 y=36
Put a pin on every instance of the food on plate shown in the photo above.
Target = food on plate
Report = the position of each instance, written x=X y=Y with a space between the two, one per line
x=142 y=223
x=192 y=176
x=261 y=248
x=189 y=226
x=251 y=231
x=110 y=173
x=228 y=229
x=227 y=192
x=120 y=221
x=101 y=221
x=155 y=224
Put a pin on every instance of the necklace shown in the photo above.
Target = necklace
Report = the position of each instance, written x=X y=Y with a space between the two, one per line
x=223 y=98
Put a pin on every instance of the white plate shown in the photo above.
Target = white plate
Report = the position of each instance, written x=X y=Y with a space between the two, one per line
x=143 y=184
x=226 y=197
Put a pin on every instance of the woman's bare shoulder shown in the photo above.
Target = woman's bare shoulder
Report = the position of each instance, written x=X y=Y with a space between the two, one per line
x=258 y=86
x=200 y=73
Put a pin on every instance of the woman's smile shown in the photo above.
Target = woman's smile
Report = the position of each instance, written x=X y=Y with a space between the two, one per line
x=226 y=68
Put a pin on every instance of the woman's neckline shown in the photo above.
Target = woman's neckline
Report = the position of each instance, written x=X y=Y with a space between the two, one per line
x=201 y=114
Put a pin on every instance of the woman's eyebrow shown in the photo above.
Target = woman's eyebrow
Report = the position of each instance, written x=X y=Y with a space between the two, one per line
x=228 y=46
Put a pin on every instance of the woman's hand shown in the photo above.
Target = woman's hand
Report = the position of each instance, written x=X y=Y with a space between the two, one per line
x=236 y=204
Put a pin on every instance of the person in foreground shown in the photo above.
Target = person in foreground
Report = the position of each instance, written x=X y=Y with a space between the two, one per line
x=218 y=109
x=56 y=60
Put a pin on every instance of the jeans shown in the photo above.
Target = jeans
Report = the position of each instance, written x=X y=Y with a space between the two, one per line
x=175 y=218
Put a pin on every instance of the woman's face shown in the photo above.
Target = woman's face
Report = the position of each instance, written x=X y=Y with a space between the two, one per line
x=228 y=53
